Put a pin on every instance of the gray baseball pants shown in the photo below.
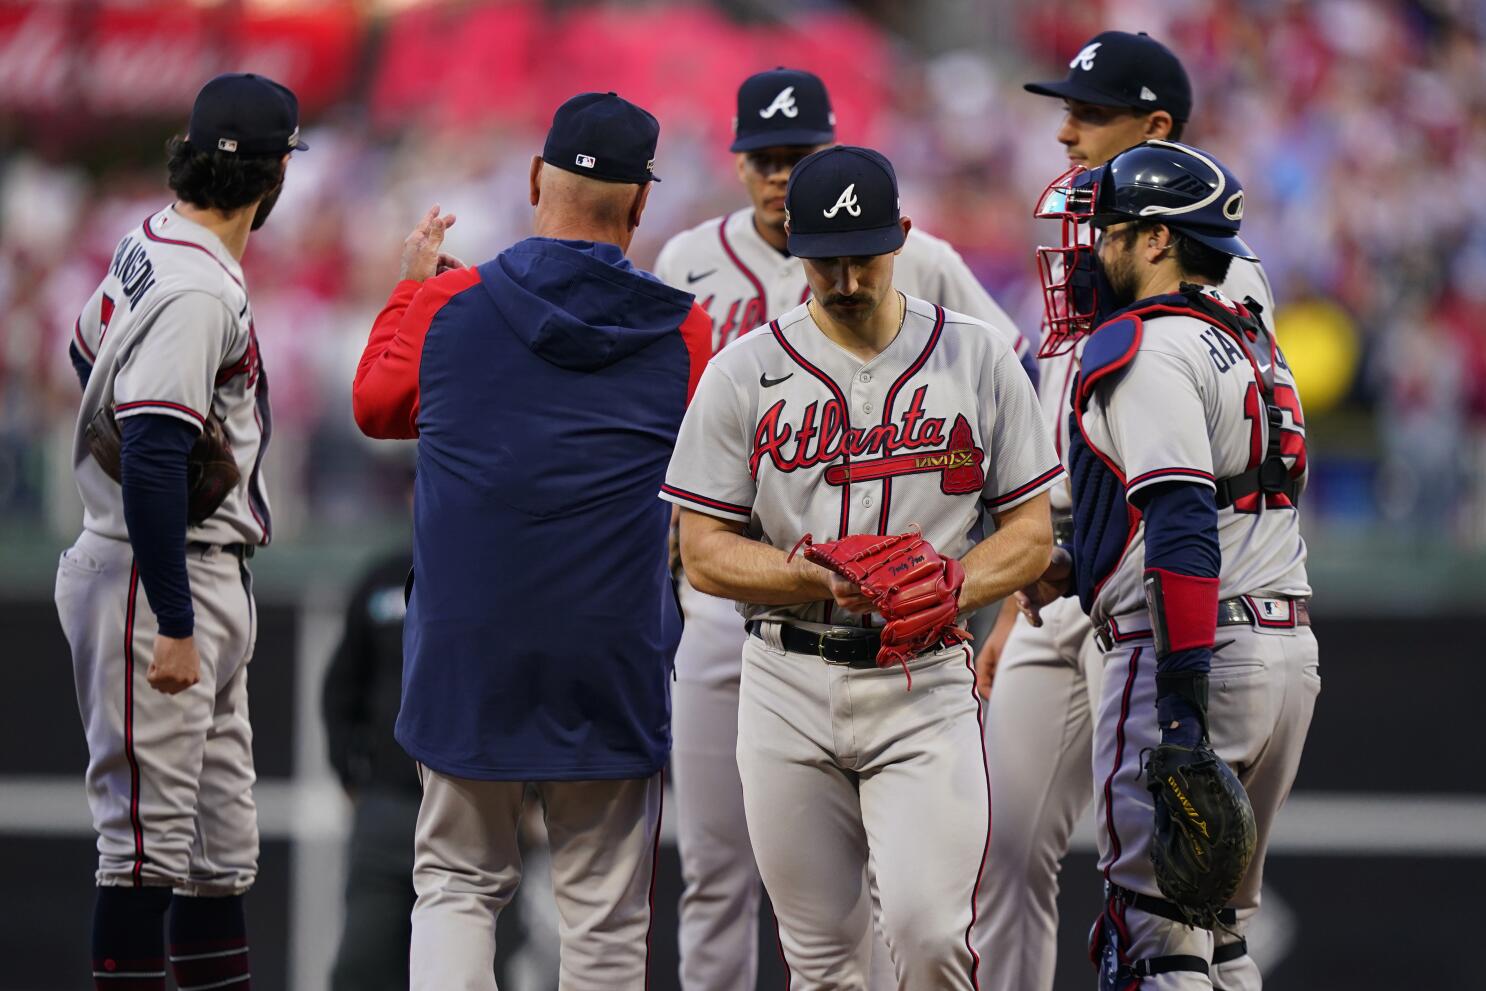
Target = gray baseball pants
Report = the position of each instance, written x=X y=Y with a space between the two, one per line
x=845 y=771
x=603 y=837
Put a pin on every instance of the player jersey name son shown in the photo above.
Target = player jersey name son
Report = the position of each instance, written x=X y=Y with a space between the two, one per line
x=134 y=270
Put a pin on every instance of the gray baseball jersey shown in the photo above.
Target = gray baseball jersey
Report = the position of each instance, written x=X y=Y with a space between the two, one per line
x=169 y=331
x=742 y=280
x=1189 y=408
x=1246 y=279
x=791 y=434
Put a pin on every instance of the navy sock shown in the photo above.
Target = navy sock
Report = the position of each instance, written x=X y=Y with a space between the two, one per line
x=209 y=943
x=129 y=939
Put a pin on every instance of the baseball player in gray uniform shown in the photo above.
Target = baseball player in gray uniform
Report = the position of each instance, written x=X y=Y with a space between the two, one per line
x=155 y=597
x=863 y=410
x=742 y=272
x=1187 y=457
x=1039 y=716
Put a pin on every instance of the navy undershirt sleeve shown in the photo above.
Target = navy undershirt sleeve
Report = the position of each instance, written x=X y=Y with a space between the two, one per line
x=1181 y=536
x=1181 y=528
x=153 y=466
x=80 y=365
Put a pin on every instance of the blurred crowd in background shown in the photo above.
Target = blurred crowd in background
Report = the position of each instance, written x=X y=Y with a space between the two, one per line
x=1358 y=127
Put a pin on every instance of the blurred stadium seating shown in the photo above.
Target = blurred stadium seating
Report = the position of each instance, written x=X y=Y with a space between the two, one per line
x=1359 y=128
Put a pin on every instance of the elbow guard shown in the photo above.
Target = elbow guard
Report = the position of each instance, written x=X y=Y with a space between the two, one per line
x=1183 y=609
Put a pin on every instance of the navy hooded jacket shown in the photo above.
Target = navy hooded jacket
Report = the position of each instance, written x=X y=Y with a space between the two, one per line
x=545 y=388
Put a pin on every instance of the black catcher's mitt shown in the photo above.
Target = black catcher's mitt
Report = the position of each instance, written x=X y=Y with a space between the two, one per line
x=1204 y=837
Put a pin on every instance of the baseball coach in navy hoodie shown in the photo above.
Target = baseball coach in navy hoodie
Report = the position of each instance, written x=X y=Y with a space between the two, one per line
x=545 y=388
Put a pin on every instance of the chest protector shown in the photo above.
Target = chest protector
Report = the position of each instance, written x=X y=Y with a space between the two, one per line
x=1105 y=522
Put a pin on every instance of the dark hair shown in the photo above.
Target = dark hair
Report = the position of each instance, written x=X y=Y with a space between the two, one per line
x=1195 y=258
x=1177 y=127
x=215 y=180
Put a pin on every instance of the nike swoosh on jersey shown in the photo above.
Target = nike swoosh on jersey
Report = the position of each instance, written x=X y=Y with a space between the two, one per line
x=767 y=382
x=698 y=278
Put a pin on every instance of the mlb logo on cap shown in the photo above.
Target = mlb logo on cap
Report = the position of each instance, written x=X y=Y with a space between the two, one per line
x=842 y=202
x=241 y=113
x=603 y=127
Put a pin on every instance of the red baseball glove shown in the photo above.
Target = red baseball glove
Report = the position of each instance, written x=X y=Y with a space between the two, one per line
x=916 y=590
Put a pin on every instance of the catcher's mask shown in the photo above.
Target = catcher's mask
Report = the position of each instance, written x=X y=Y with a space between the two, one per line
x=1183 y=187
x=1070 y=295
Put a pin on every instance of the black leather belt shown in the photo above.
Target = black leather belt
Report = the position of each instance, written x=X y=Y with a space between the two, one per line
x=1062 y=529
x=1231 y=612
x=240 y=551
x=847 y=645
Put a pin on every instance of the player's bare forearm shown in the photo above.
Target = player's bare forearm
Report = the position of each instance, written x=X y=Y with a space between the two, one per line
x=719 y=560
x=1012 y=557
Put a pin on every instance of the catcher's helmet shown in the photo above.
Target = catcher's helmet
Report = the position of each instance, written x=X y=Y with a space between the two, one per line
x=1175 y=184
x=1178 y=185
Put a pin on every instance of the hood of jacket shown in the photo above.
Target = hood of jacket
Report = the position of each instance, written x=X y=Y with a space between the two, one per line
x=580 y=304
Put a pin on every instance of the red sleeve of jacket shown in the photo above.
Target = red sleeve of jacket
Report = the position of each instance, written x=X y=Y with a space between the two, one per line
x=696 y=331
x=385 y=394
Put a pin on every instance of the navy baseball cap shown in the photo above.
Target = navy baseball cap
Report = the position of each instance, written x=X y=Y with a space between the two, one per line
x=242 y=113
x=842 y=202
x=1118 y=69
x=783 y=107
x=603 y=136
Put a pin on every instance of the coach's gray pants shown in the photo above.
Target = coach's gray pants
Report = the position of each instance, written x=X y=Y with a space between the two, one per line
x=467 y=866
x=842 y=767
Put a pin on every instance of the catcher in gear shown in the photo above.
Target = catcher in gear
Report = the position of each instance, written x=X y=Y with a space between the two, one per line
x=860 y=414
x=1187 y=460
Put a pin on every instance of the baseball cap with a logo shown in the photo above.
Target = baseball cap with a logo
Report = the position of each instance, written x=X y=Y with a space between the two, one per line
x=603 y=136
x=242 y=113
x=842 y=202
x=1118 y=69
x=780 y=108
